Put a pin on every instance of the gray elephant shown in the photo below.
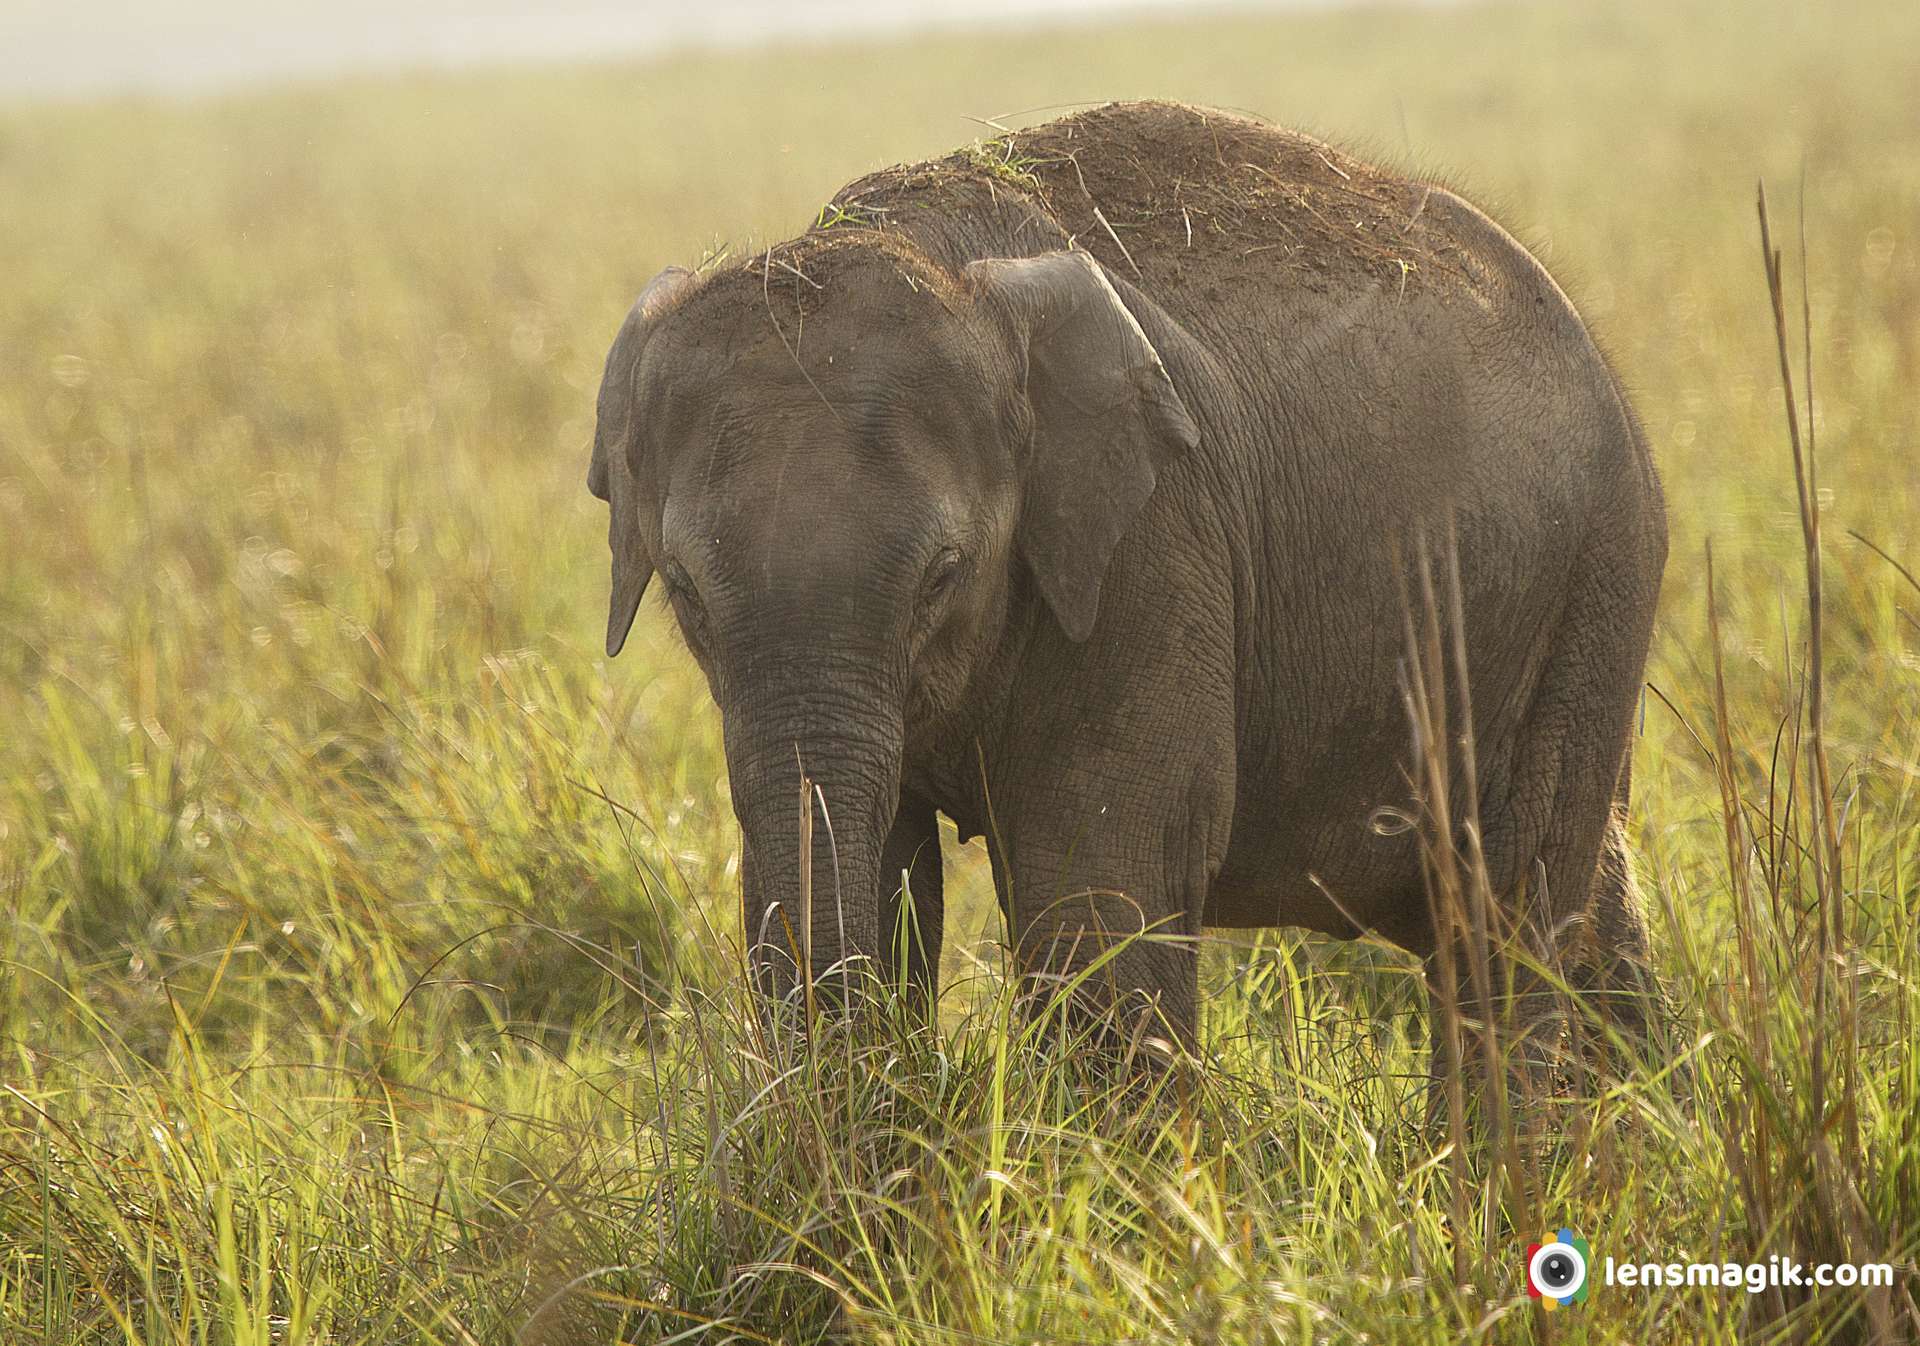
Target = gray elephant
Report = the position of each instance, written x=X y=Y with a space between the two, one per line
x=1066 y=486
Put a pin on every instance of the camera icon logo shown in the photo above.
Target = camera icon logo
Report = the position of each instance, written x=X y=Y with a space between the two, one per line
x=1557 y=1269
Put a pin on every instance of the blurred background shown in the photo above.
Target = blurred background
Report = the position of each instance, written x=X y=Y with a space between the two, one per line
x=109 y=46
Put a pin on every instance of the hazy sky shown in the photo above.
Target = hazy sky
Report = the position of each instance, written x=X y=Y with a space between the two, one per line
x=80 y=47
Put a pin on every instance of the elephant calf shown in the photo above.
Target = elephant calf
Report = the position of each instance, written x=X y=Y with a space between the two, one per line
x=1062 y=485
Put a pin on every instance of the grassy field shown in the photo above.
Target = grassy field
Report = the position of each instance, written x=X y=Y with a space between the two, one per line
x=366 y=954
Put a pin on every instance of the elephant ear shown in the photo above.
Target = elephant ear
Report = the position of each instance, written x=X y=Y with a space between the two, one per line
x=615 y=472
x=1106 y=420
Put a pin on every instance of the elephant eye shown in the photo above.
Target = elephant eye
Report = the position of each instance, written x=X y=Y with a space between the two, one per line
x=942 y=576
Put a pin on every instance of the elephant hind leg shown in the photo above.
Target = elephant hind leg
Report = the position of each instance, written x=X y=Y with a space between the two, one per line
x=1611 y=964
x=1552 y=810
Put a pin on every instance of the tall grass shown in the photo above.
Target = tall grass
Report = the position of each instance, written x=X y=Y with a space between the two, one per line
x=369 y=956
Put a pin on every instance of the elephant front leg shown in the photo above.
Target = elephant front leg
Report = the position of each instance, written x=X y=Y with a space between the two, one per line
x=1106 y=918
x=913 y=906
x=1110 y=970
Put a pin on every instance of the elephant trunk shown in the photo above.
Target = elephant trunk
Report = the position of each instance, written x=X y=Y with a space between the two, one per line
x=811 y=881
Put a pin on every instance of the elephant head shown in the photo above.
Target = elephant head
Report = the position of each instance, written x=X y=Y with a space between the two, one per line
x=848 y=466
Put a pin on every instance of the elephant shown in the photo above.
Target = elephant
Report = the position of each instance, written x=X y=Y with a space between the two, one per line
x=1068 y=485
